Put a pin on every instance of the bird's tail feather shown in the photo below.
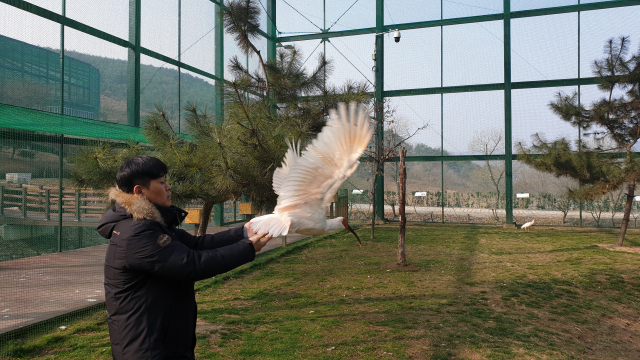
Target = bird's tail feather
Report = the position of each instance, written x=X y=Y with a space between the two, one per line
x=276 y=225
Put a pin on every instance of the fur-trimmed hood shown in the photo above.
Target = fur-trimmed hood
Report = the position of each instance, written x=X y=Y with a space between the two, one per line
x=136 y=207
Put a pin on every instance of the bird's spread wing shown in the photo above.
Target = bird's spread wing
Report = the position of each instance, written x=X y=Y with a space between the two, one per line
x=327 y=162
x=290 y=159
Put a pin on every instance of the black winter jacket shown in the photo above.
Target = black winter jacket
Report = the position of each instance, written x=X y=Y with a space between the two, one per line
x=149 y=272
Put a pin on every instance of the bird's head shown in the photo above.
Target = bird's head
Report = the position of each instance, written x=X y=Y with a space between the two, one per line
x=348 y=227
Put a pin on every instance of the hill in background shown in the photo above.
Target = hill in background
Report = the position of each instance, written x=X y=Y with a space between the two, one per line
x=159 y=85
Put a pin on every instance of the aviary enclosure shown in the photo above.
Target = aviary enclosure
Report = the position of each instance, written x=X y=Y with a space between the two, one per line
x=465 y=84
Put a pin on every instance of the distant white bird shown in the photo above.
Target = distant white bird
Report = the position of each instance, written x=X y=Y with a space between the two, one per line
x=307 y=181
x=526 y=226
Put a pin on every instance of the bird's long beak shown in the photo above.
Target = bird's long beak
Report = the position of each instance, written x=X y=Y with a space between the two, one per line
x=348 y=227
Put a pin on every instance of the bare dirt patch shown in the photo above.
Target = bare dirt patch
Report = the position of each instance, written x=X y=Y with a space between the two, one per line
x=213 y=331
x=613 y=247
x=396 y=266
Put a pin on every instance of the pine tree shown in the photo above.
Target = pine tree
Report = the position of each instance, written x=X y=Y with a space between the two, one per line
x=608 y=162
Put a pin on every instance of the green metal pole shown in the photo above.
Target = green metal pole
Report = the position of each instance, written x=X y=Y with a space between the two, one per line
x=62 y=60
x=441 y=112
x=379 y=110
x=581 y=204
x=272 y=31
x=508 y=151
x=61 y=153
x=133 y=65
x=179 y=60
x=218 y=209
x=60 y=174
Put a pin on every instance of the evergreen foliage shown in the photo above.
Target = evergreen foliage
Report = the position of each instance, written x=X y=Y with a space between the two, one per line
x=97 y=166
x=608 y=162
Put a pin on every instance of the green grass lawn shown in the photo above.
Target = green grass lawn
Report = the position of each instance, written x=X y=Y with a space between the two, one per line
x=470 y=292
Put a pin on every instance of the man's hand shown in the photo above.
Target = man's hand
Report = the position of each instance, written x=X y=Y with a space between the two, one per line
x=250 y=231
x=259 y=240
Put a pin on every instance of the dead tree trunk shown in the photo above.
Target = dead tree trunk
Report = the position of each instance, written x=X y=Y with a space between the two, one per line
x=627 y=212
x=402 y=258
x=374 y=202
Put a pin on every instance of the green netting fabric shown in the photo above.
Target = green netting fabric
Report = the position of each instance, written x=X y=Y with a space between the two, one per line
x=12 y=117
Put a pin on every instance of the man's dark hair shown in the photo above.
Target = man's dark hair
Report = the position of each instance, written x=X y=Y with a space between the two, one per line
x=139 y=170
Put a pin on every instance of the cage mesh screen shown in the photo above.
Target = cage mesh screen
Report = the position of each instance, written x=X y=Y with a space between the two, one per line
x=400 y=12
x=518 y=5
x=594 y=33
x=532 y=116
x=159 y=86
x=473 y=54
x=294 y=18
x=69 y=80
x=38 y=85
x=197 y=44
x=159 y=26
x=196 y=90
x=89 y=13
x=540 y=41
x=415 y=62
x=465 y=8
x=48 y=271
x=353 y=53
x=487 y=127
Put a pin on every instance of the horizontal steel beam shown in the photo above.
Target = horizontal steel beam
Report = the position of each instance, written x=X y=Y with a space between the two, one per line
x=439 y=158
x=326 y=35
x=444 y=90
x=50 y=15
x=464 y=20
x=491 y=87
x=177 y=63
x=553 y=83
x=444 y=158
x=574 y=8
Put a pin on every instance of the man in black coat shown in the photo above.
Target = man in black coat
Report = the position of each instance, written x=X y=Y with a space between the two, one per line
x=151 y=265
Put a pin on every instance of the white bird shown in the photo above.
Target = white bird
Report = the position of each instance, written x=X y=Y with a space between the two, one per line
x=526 y=226
x=307 y=181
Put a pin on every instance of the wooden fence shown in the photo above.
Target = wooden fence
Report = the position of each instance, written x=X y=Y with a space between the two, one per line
x=43 y=203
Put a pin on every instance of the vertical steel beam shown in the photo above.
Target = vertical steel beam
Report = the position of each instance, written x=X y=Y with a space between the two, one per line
x=179 y=60
x=442 y=111
x=581 y=204
x=133 y=65
x=272 y=31
x=219 y=62
x=60 y=174
x=64 y=10
x=61 y=153
x=508 y=148
x=218 y=209
x=379 y=103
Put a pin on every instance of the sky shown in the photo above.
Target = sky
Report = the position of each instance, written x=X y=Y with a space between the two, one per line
x=543 y=48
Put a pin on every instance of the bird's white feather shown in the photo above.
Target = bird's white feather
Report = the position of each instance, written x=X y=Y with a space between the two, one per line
x=290 y=159
x=306 y=183
x=276 y=225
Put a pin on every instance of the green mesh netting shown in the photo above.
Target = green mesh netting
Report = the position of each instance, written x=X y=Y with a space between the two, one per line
x=12 y=117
